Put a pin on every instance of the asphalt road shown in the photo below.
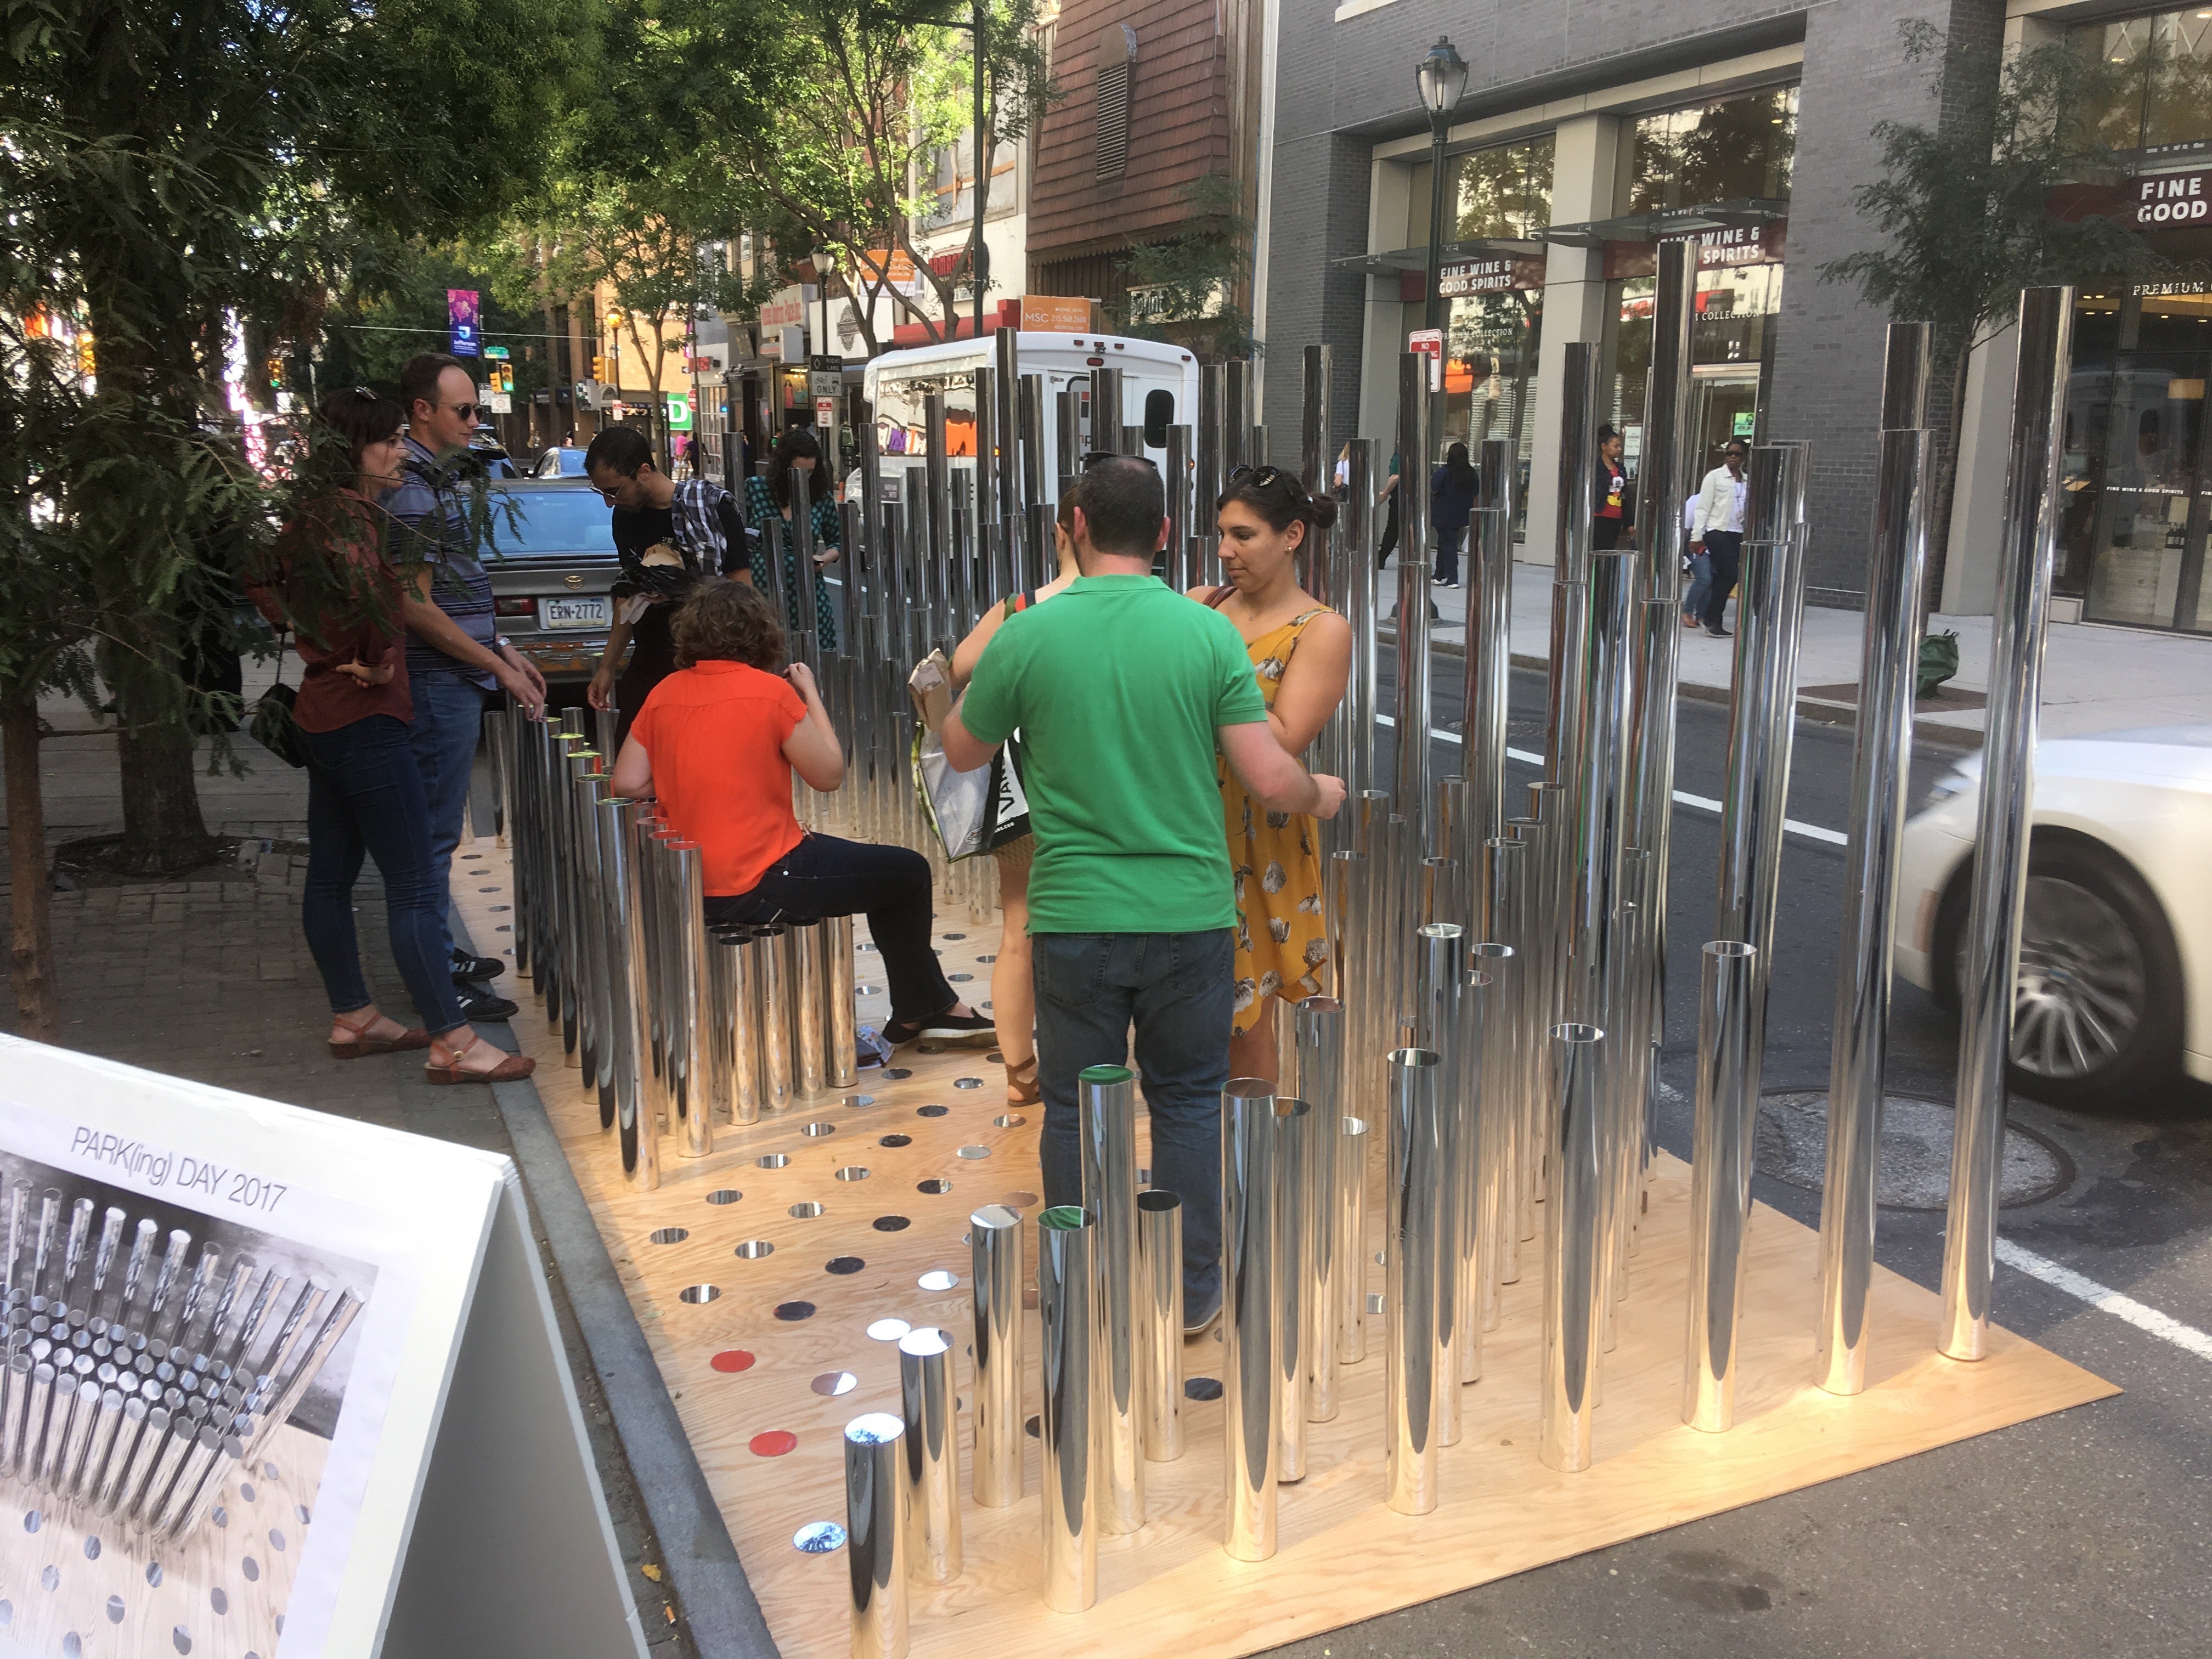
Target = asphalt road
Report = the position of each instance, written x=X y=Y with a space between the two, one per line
x=2086 y=1532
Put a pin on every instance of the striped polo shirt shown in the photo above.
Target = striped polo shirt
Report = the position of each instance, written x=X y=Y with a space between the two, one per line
x=429 y=514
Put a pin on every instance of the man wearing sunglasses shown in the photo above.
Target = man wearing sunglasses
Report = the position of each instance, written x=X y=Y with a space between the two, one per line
x=455 y=657
x=1716 y=528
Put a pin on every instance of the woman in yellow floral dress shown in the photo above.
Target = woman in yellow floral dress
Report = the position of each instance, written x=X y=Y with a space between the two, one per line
x=1301 y=652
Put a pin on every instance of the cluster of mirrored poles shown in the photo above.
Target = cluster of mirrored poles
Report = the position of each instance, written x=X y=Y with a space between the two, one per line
x=1491 y=1051
x=139 y=1383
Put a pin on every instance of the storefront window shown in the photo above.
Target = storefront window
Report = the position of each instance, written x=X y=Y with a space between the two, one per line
x=1505 y=194
x=1739 y=149
x=2138 y=474
x=2161 y=103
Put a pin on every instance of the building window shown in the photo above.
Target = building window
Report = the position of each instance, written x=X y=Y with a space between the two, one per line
x=2162 y=104
x=1739 y=149
x=1117 y=66
x=1504 y=194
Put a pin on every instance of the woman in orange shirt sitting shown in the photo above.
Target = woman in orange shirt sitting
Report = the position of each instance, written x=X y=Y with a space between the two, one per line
x=717 y=742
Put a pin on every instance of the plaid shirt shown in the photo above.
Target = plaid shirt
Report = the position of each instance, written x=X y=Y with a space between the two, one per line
x=429 y=517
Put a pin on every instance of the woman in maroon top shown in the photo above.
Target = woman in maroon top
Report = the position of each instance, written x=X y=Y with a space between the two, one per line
x=364 y=790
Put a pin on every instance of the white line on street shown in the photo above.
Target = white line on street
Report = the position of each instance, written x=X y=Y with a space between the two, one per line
x=2106 y=1299
x=1705 y=803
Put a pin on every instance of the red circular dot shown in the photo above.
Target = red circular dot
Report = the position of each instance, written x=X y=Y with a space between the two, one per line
x=773 y=1443
x=732 y=1359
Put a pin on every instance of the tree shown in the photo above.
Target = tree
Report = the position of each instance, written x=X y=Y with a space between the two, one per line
x=1964 y=203
x=1182 y=287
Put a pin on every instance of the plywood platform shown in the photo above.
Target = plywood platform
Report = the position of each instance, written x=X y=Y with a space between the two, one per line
x=747 y=1368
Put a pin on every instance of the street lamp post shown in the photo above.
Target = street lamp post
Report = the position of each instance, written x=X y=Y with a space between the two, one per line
x=1441 y=77
x=824 y=260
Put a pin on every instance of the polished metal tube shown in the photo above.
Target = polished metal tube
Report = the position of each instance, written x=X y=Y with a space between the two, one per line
x=1440 y=992
x=14 y=1424
x=876 y=1535
x=1486 y=1237
x=931 y=1465
x=1488 y=660
x=1345 y=902
x=1418 y=1358
x=637 y=1130
x=1159 y=1260
x=842 y=1025
x=1317 y=1039
x=1106 y=1114
x=688 y=894
x=107 y=1421
x=1350 y=1246
x=1106 y=416
x=586 y=786
x=110 y=1482
x=1211 y=457
x=1252 y=1366
x=619 y=922
x=808 y=997
x=1506 y=1065
x=1066 y=1426
x=76 y=1435
x=1474 y=1276
x=1719 y=1181
x=2034 y=504
x=176 y=1445
x=80 y=1235
x=1411 y=788
x=191 y=1474
x=1362 y=611
x=773 y=992
x=806 y=638
x=725 y=961
x=1575 y=1247
x=996 y=1281
x=1297 y=1124
x=1236 y=411
x=153 y=1438
x=1577 y=475
x=940 y=547
x=1182 y=516
x=1881 y=767
x=568 y=940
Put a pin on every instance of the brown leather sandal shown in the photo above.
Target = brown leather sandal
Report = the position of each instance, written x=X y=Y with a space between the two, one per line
x=1022 y=1086
x=368 y=1040
x=508 y=1068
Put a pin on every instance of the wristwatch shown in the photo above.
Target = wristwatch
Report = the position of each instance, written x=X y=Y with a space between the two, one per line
x=502 y=641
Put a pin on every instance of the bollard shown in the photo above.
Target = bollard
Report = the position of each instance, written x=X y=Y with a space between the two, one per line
x=1106 y=1108
x=1159 y=1260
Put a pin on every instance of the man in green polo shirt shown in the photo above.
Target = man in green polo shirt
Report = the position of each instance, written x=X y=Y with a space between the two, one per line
x=1122 y=691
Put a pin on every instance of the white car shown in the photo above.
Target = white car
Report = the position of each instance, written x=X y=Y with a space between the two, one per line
x=2114 y=996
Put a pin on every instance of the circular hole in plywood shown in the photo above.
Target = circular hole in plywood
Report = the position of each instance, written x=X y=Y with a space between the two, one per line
x=890 y=1224
x=774 y=1160
x=898 y=1073
x=730 y=1361
x=775 y=1442
x=936 y=1186
x=698 y=1293
x=895 y=1140
x=668 y=1234
x=939 y=1279
x=972 y=1153
x=856 y=1101
x=994 y=957
x=931 y=1111
x=753 y=1250
x=843 y=1265
x=1008 y=1120
x=791 y=1312
x=888 y=1330
x=853 y=1172
x=967 y=1082
x=818 y=1538
x=952 y=939
x=816 y=1131
x=724 y=1196
x=1202 y=1388
x=1033 y=1428
x=830 y=1384
x=958 y=979
x=805 y=1210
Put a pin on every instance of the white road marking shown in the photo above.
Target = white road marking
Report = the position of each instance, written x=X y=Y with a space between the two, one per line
x=1683 y=796
x=2106 y=1299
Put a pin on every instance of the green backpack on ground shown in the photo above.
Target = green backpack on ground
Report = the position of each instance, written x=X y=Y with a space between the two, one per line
x=1939 y=661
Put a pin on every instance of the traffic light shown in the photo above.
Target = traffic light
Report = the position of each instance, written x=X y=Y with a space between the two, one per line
x=276 y=373
x=599 y=370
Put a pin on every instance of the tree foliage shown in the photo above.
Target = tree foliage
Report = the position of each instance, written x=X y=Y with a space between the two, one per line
x=1181 y=288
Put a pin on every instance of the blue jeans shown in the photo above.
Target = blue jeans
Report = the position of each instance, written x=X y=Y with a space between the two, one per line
x=365 y=795
x=1179 y=990
x=1725 y=549
x=448 y=717
x=1448 y=545
x=1701 y=578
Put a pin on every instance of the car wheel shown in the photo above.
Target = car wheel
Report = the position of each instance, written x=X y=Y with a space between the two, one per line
x=2097 y=1013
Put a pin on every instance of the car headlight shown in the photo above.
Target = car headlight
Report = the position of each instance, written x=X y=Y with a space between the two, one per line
x=1943 y=788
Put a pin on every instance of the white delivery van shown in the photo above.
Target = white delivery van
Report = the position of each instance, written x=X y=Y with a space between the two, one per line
x=1159 y=389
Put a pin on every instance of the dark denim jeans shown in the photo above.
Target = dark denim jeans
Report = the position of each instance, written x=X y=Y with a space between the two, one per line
x=1725 y=548
x=822 y=877
x=365 y=795
x=1179 y=990
x=448 y=717
x=1448 y=546
x=1701 y=581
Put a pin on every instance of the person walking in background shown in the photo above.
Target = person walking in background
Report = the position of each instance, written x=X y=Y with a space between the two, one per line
x=668 y=535
x=1615 y=500
x=767 y=505
x=365 y=796
x=1388 y=495
x=456 y=657
x=1452 y=494
x=717 y=742
x=1121 y=691
x=1717 y=528
x=1301 y=656
x=1697 y=566
x=1013 y=992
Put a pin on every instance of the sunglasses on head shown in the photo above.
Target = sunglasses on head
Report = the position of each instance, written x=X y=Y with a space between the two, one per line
x=1264 y=478
x=1095 y=456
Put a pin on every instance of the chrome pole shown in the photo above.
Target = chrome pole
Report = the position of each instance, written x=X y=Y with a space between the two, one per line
x=773 y=1003
x=586 y=790
x=995 y=1279
x=1489 y=1238
x=1184 y=515
x=1106 y=1112
x=1882 y=765
x=1505 y=867
x=691 y=1095
x=1414 y=1381
x=841 y=1017
x=876 y=1535
x=2035 y=504
x=1362 y=610
x=1574 y=1281
x=637 y=1135
x=1323 y=577
x=1106 y=421
x=1719 y=1181
x=1350 y=1222
x=932 y=1441
x=805 y=639
x=736 y=1010
x=1411 y=788
x=1488 y=660
x=936 y=548
x=1251 y=1367
x=1317 y=1035
x=808 y=1000
x=1438 y=1001
x=1213 y=462
x=1295 y=1123
x=1160 y=1259
x=1066 y=1427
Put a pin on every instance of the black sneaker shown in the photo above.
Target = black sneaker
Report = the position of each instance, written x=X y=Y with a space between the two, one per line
x=972 y=1031
x=466 y=966
x=1720 y=632
x=479 y=1005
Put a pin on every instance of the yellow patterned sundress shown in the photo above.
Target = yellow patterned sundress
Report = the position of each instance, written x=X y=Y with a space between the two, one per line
x=1282 y=944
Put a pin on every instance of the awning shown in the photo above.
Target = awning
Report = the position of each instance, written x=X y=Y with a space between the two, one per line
x=1667 y=224
x=1416 y=259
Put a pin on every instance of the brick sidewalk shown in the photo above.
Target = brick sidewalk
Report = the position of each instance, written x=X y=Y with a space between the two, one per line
x=211 y=979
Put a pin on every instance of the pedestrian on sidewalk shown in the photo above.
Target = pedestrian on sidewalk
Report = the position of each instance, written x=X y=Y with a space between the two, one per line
x=1615 y=497
x=344 y=606
x=668 y=535
x=1121 y=691
x=1451 y=495
x=768 y=504
x=1388 y=495
x=1698 y=566
x=717 y=742
x=1301 y=656
x=1718 y=529
x=456 y=657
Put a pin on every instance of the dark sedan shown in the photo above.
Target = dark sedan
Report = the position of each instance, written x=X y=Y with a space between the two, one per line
x=553 y=564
